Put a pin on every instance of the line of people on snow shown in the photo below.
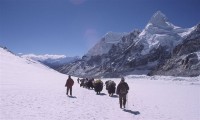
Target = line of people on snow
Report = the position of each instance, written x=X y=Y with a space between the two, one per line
x=97 y=85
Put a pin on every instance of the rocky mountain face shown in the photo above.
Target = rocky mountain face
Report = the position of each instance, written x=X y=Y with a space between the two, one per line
x=99 y=64
x=186 y=57
x=154 y=51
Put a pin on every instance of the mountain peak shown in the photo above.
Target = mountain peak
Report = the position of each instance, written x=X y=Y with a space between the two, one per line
x=160 y=21
x=159 y=14
x=158 y=18
x=109 y=33
x=105 y=43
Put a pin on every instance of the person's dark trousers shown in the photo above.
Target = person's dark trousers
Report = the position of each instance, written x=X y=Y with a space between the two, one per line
x=122 y=98
x=69 y=89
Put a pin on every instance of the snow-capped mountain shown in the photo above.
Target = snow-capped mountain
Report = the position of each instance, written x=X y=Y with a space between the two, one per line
x=160 y=32
x=105 y=44
x=53 y=61
x=136 y=52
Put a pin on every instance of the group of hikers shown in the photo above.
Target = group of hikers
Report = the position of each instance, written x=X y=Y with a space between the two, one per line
x=122 y=90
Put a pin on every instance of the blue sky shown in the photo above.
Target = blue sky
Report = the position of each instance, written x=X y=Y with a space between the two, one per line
x=72 y=27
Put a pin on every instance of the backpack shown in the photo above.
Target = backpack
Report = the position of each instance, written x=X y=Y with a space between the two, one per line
x=123 y=89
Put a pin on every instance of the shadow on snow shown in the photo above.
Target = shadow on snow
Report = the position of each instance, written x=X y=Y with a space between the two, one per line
x=132 y=112
x=101 y=94
x=114 y=96
x=72 y=96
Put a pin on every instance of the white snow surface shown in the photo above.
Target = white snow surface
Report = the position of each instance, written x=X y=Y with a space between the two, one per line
x=31 y=91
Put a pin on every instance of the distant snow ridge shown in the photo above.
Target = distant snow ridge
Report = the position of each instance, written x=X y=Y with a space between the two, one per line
x=105 y=44
x=43 y=57
x=50 y=58
x=53 y=61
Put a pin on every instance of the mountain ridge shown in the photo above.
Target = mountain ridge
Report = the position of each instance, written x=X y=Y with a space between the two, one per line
x=138 y=52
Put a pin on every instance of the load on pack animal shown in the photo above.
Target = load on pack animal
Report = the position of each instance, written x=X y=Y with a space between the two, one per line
x=98 y=86
x=87 y=83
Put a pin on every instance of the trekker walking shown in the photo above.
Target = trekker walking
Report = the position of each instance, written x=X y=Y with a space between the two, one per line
x=69 y=84
x=122 y=90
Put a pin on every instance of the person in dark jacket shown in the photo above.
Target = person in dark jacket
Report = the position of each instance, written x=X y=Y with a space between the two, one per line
x=69 y=84
x=122 y=90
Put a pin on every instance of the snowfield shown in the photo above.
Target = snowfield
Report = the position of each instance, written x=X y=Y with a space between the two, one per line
x=31 y=91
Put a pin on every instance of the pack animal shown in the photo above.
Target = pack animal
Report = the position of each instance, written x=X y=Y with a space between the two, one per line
x=110 y=87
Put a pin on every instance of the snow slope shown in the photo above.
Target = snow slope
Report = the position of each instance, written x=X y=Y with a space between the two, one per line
x=31 y=91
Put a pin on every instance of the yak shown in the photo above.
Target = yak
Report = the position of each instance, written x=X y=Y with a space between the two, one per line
x=110 y=86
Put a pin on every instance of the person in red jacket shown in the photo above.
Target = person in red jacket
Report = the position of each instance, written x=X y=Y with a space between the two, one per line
x=69 y=84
